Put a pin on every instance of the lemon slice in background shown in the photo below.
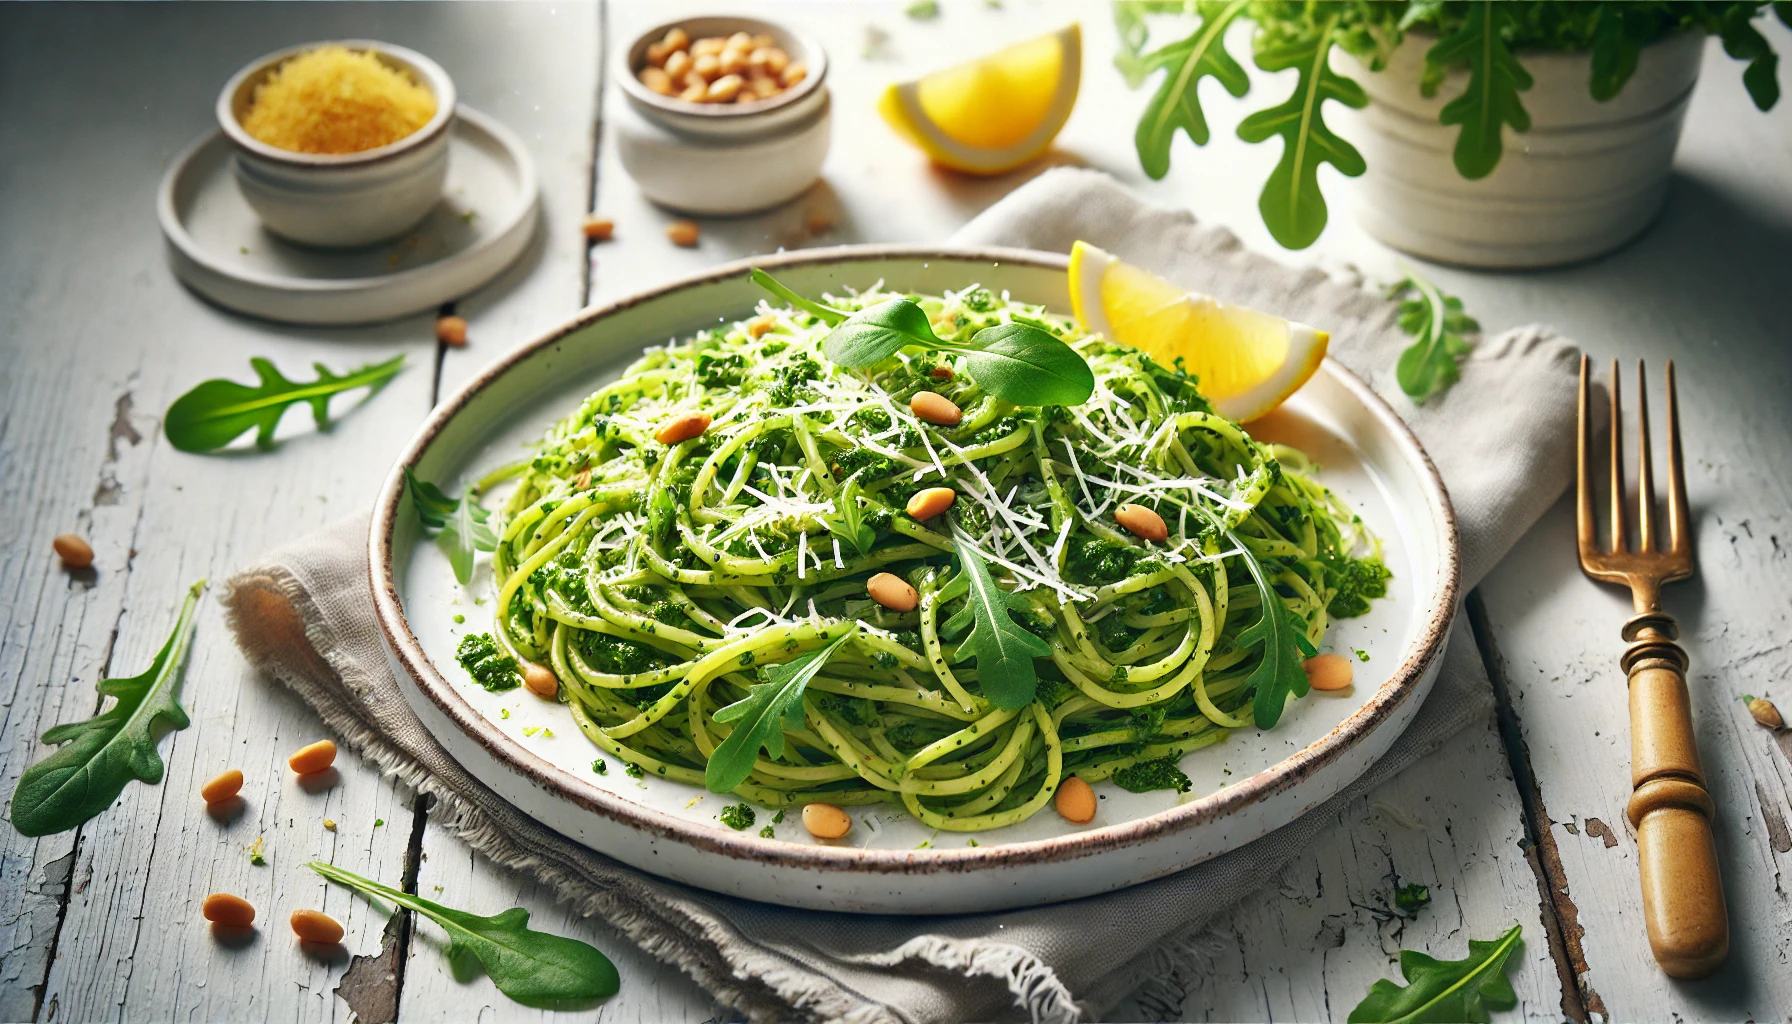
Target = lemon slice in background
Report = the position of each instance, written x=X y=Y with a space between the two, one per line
x=993 y=114
x=1247 y=362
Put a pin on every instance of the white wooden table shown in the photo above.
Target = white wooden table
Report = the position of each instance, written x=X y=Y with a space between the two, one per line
x=1521 y=820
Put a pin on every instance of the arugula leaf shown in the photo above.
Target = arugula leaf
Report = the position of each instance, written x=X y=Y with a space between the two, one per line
x=217 y=412
x=1022 y=364
x=1292 y=206
x=1745 y=42
x=1282 y=636
x=531 y=967
x=1617 y=44
x=1494 y=82
x=1437 y=324
x=1177 y=102
x=1003 y=648
x=850 y=527
x=1439 y=991
x=768 y=709
x=107 y=751
x=876 y=333
x=464 y=525
x=826 y=314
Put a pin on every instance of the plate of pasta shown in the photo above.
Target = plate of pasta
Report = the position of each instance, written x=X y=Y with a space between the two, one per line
x=867 y=579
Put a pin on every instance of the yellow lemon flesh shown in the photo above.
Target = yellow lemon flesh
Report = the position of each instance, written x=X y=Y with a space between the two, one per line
x=1247 y=362
x=991 y=115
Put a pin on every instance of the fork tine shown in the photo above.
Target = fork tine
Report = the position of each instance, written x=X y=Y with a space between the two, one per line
x=1679 y=542
x=1620 y=532
x=1645 y=472
x=1586 y=528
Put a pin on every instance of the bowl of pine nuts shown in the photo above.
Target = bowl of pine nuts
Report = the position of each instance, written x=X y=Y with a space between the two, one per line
x=724 y=114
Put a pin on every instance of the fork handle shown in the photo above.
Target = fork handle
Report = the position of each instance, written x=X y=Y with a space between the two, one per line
x=1683 y=896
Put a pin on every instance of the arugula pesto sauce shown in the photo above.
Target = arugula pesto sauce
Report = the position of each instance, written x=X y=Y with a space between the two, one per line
x=661 y=581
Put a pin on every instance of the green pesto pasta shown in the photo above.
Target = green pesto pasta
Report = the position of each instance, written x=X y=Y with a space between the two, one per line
x=655 y=579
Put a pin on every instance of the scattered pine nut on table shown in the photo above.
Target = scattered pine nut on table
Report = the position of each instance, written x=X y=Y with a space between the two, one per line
x=227 y=910
x=452 y=330
x=316 y=926
x=312 y=759
x=684 y=232
x=222 y=788
x=74 y=551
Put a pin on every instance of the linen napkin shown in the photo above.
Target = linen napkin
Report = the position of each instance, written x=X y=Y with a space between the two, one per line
x=304 y=616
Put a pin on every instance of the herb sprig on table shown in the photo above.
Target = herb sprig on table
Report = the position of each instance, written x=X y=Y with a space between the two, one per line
x=1445 y=990
x=104 y=753
x=1016 y=362
x=218 y=411
x=531 y=967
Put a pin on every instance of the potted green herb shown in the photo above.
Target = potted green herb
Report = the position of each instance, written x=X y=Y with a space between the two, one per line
x=1500 y=133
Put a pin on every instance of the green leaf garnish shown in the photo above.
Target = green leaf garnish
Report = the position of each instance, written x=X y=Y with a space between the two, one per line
x=826 y=314
x=1022 y=364
x=768 y=709
x=1016 y=362
x=107 y=751
x=531 y=967
x=217 y=412
x=1177 y=102
x=1003 y=648
x=1293 y=208
x=1439 y=991
x=876 y=333
x=850 y=527
x=464 y=525
x=1491 y=100
x=1437 y=324
x=1281 y=635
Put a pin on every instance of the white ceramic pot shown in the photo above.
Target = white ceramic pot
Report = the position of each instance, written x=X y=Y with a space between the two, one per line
x=1586 y=178
x=723 y=158
x=347 y=199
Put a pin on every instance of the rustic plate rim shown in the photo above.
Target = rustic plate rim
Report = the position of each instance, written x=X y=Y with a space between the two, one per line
x=407 y=651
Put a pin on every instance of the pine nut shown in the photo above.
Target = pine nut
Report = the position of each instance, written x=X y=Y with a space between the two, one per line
x=74 y=552
x=227 y=910
x=725 y=88
x=1762 y=711
x=936 y=409
x=683 y=232
x=733 y=61
x=757 y=326
x=1075 y=801
x=658 y=80
x=678 y=65
x=893 y=592
x=763 y=87
x=707 y=65
x=739 y=41
x=676 y=39
x=825 y=821
x=708 y=47
x=793 y=73
x=776 y=60
x=930 y=502
x=1328 y=671
x=452 y=330
x=694 y=89
x=763 y=41
x=598 y=229
x=683 y=428
x=316 y=926
x=222 y=788
x=314 y=758
x=1142 y=523
x=541 y=679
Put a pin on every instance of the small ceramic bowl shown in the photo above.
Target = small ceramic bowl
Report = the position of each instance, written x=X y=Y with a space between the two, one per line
x=340 y=200
x=724 y=158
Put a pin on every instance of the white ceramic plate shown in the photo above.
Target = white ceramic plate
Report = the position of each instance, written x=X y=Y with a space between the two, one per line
x=217 y=245
x=1249 y=784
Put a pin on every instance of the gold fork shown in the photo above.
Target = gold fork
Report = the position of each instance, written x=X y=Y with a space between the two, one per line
x=1683 y=898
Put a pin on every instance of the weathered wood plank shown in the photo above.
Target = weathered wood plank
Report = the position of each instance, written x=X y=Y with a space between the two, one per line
x=1309 y=948
x=1693 y=288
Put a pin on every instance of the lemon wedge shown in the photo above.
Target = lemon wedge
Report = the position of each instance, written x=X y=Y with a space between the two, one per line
x=993 y=114
x=1247 y=362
